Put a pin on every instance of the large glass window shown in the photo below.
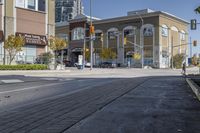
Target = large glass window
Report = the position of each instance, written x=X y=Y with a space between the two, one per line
x=20 y=3
x=78 y=33
x=31 y=4
x=41 y=5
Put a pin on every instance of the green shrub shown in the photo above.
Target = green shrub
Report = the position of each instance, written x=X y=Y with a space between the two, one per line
x=24 y=67
x=44 y=58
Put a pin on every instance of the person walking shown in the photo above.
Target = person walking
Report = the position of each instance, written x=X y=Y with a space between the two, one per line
x=184 y=68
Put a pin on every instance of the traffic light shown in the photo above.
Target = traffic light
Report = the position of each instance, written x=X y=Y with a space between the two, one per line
x=195 y=43
x=92 y=30
x=193 y=24
x=125 y=40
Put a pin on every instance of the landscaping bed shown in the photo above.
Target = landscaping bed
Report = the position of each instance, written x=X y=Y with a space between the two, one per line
x=24 y=67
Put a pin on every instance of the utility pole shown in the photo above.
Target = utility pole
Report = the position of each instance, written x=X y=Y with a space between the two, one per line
x=4 y=51
x=190 y=47
x=91 y=38
x=172 y=53
x=84 y=41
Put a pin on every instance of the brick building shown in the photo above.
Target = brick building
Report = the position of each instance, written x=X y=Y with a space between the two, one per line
x=155 y=34
x=33 y=19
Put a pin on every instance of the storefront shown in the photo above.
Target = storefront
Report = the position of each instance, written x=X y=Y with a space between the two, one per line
x=34 y=46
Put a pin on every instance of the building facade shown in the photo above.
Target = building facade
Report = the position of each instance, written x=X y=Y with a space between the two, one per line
x=68 y=9
x=155 y=35
x=32 y=19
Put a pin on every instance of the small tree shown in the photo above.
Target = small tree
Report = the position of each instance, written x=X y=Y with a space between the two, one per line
x=87 y=55
x=108 y=53
x=178 y=60
x=13 y=45
x=194 y=60
x=57 y=44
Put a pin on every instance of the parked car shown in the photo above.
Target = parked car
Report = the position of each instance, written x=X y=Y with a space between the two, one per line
x=107 y=65
x=87 y=64
x=68 y=63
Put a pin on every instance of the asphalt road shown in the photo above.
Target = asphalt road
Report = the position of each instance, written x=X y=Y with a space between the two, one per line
x=153 y=104
x=31 y=90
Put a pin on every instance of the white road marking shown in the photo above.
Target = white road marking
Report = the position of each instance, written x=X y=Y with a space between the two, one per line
x=65 y=79
x=12 y=81
x=29 y=88
x=49 y=79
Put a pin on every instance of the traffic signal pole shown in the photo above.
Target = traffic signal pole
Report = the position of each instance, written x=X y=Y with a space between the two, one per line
x=91 y=40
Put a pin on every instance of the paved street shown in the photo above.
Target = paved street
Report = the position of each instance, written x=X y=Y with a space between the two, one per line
x=127 y=101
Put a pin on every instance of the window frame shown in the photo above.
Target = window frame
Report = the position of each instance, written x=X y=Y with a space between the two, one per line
x=77 y=34
x=35 y=7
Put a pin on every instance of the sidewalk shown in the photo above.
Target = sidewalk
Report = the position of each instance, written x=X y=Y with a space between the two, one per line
x=118 y=72
x=160 y=105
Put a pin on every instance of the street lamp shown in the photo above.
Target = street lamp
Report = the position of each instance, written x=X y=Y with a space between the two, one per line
x=142 y=21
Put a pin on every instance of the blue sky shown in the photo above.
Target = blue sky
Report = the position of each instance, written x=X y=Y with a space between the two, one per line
x=114 y=8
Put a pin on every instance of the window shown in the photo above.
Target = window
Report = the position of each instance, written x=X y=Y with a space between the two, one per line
x=78 y=33
x=164 y=30
x=41 y=5
x=148 y=31
x=31 y=4
x=129 y=32
x=20 y=3
x=182 y=35
x=37 y=5
x=70 y=17
x=112 y=35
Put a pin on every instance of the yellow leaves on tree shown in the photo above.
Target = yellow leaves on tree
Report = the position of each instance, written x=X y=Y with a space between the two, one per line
x=56 y=43
x=136 y=56
x=87 y=54
x=13 y=45
x=108 y=53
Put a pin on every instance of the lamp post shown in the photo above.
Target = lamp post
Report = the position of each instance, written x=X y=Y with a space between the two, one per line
x=142 y=21
x=91 y=38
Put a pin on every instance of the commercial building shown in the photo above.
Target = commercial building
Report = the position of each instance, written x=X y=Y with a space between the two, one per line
x=155 y=35
x=32 y=19
x=68 y=9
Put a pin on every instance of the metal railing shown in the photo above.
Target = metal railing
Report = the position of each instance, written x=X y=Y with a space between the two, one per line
x=25 y=59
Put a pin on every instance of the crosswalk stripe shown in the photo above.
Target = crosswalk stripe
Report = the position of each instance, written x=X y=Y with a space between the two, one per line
x=12 y=81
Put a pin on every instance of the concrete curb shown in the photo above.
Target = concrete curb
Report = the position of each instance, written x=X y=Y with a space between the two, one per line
x=194 y=87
